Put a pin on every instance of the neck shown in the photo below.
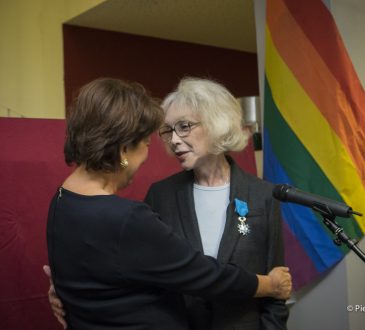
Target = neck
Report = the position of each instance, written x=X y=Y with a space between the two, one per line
x=88 y=182
x=215 y=172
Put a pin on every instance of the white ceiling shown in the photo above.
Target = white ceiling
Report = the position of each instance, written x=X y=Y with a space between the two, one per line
x=221 y=23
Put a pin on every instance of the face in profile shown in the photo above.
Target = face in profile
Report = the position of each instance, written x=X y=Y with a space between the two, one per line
x=188 y=142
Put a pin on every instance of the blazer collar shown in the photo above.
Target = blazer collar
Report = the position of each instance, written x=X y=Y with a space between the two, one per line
x=188 y=218
x=239 y=188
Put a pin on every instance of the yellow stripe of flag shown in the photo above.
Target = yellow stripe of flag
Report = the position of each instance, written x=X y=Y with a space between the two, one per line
x=313 y=130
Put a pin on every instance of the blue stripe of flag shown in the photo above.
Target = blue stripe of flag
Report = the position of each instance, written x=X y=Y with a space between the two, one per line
x=301 y=220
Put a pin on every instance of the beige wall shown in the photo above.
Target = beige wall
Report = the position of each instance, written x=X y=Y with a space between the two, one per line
x=31 y=55
x=349 y=17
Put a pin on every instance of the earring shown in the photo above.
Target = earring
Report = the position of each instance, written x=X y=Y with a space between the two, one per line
x=124 y=163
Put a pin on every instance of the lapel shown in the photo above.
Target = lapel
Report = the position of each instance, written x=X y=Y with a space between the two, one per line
x=188 y=219
x=239 y=189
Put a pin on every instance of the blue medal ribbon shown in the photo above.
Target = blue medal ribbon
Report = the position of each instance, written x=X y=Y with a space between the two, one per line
x=242 y=210
x=241 y=207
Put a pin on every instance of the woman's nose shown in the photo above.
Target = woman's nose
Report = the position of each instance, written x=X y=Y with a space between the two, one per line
x=175 y=139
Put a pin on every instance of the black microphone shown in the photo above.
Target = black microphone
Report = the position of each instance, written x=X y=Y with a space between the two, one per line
x=286 y=193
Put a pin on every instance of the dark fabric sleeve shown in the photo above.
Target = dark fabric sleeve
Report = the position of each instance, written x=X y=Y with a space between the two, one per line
x=274 y=312
x=153 y=255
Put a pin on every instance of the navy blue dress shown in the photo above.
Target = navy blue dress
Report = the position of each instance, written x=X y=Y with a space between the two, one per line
x=115 y=265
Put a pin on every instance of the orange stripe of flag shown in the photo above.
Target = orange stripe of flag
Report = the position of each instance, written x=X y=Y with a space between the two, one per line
x=317 y=80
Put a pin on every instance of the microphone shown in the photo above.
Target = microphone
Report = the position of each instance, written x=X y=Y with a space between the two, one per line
x=326 y=206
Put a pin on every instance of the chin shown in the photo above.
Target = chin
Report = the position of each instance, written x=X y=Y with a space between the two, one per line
x=186 y=166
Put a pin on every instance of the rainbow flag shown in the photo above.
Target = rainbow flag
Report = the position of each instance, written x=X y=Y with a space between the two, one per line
x=314 y=129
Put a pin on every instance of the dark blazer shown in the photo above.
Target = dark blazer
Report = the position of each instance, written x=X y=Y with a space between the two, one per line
x=115 y=265
x=259 y=251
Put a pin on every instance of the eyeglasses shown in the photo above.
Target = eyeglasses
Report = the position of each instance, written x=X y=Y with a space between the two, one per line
x=181 y=128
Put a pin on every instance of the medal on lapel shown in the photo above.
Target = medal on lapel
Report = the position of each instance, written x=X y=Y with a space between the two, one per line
x=242 y=210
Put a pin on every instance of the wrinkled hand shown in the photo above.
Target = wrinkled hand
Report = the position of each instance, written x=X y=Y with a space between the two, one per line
x=55 y=302
x=281 y=282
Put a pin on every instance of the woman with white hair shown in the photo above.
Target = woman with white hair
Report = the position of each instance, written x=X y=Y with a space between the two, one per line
x=223 y=211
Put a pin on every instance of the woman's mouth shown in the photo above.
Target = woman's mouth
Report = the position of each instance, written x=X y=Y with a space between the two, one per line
x=181 y=155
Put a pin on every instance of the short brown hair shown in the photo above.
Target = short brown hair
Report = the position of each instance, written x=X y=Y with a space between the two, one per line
x=107 y=115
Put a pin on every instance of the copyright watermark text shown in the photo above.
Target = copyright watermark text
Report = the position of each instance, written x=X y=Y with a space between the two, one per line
x=356 y=308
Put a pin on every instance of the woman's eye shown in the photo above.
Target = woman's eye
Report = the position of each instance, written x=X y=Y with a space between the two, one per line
x=184 y=126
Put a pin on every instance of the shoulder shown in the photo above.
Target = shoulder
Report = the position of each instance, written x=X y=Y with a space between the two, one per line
x=130 y=205
x=124 y=207
x=255 y=184
x=134 y=214
x=142 y=220
x=258 y=185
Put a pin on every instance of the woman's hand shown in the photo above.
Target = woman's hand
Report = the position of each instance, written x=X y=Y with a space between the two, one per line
x=55 y=302
x=276 y=284
x=281 y=282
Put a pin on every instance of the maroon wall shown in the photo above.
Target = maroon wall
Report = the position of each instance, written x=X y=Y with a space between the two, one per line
x=156 y=63
x=32 y=166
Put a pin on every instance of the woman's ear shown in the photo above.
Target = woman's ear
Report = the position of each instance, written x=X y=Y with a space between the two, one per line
x=123 y=151
x=123 y=157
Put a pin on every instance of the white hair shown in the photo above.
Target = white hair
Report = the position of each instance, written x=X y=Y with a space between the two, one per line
x=218 y=110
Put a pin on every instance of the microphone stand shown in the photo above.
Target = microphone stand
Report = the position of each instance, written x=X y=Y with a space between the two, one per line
x=330 y=221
